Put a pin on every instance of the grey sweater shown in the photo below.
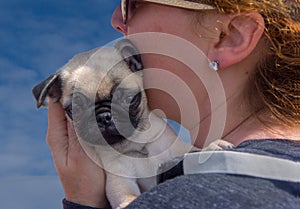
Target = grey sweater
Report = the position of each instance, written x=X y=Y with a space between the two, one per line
x=227 y=191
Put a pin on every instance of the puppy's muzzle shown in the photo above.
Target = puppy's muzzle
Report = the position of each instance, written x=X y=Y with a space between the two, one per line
x=107 y=125
x=103 y=115
x=115 y=121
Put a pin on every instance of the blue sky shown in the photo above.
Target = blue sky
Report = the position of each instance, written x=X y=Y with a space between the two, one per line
x=37 y=37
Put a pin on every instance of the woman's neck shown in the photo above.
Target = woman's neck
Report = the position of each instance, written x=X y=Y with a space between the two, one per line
x=248 y=128
x=241 y=124
x=254 y=129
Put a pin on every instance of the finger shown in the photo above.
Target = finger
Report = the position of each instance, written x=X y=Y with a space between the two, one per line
x=57 y=133
x=74 y=145
x=77 y=152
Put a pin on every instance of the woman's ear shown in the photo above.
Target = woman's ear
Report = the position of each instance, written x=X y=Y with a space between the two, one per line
x=238 y=37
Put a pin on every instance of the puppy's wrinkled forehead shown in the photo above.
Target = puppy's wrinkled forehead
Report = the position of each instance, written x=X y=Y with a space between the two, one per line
x=97 y=72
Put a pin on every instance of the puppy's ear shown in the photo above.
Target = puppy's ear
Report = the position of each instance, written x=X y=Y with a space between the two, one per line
x=130 y=54
x=51 y=87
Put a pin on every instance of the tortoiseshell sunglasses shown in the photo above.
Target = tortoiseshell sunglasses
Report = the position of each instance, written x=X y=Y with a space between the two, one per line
x=127 y=6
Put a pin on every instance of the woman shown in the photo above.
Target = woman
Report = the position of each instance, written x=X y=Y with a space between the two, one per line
x=254 y=47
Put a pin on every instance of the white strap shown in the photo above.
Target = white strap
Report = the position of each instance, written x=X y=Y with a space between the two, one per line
x=230 y=162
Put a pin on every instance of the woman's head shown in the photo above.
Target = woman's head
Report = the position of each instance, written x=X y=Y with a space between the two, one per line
x=275 y=81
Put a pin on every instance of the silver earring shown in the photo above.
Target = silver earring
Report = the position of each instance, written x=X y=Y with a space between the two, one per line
x=214 y=65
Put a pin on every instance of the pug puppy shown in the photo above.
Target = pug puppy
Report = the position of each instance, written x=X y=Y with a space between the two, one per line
x=102 y=93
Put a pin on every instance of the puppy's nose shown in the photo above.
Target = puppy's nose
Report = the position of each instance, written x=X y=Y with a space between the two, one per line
x=104 y=119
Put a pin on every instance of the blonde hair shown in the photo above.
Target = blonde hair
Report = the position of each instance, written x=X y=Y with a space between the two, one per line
x=276 y=83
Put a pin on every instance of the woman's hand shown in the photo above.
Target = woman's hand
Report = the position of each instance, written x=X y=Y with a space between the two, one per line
x=83 y=181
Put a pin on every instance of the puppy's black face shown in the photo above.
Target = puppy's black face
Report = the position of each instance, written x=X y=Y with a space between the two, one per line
x=117 y=115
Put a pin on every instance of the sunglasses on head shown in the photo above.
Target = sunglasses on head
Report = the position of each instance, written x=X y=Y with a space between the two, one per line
x=127 y=6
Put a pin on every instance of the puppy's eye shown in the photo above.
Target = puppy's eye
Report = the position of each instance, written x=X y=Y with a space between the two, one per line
x=68 y=110
x=135 y=101
x=129 y=99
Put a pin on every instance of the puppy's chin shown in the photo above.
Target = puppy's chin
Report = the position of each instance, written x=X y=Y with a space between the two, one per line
x=112 y=139
x=101 y=139
x=94 y=134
